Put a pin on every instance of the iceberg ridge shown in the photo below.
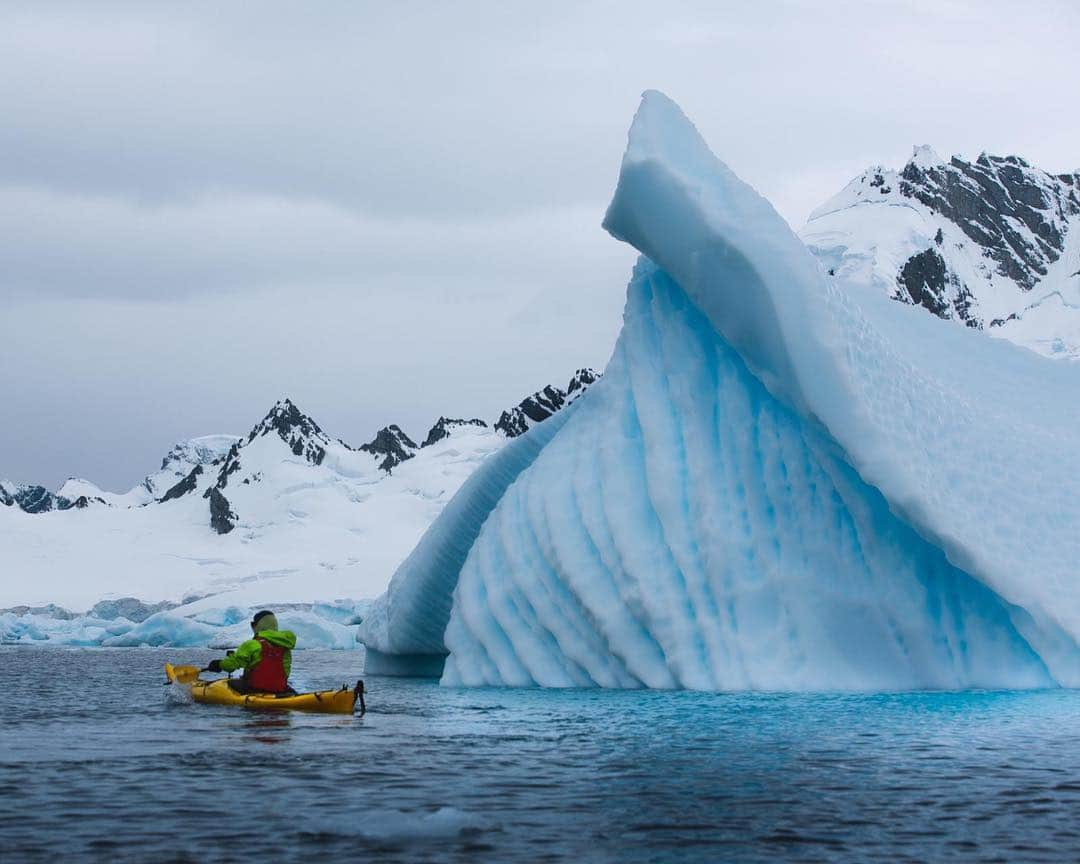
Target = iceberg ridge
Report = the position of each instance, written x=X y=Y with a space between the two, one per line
x=779 y=483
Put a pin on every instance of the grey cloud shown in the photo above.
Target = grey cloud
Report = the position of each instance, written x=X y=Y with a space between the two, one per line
x=83 y=245
x=390 y=211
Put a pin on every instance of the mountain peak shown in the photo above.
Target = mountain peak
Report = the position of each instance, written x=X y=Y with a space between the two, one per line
x=392 y=445
x=445 y=425
x=295 y=428
x=580 y=381
x=924 y=156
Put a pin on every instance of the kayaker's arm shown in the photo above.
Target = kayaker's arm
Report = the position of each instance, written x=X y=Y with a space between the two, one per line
x=245 y=656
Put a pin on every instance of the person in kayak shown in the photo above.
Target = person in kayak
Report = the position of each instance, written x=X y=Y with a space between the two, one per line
x=266 y=658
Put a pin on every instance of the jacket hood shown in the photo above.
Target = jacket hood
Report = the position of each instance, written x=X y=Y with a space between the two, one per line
x=267 y=621
x=281 y=638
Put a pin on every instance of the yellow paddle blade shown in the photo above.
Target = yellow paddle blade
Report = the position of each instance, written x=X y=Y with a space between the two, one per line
x=182 y=674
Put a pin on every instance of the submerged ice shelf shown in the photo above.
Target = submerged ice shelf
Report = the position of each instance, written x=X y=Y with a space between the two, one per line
x=780 y=483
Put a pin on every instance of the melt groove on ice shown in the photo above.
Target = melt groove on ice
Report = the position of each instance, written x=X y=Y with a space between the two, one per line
x=781 y=482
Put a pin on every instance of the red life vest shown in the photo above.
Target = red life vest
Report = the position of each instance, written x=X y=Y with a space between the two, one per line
x=268 y=675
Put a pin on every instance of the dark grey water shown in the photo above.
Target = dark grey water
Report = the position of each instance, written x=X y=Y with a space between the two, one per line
x=96 y=763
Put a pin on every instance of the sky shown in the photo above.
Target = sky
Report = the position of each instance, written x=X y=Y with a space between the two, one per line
x=391 y=211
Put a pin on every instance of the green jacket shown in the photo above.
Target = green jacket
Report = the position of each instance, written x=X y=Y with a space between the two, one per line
x=249 y=653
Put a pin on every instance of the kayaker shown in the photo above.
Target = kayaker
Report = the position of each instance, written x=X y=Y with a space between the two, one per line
x=266 y=658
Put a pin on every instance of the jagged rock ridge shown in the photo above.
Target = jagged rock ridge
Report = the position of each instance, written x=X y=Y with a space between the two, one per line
x=296 y=429
x=38 y=499
x=211 y=465
x=992 y=200
x=445 y=425
x=543 y=403
x=391 y=446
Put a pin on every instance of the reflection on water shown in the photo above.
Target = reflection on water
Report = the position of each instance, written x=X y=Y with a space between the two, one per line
x=93 y=751
x=262 y=726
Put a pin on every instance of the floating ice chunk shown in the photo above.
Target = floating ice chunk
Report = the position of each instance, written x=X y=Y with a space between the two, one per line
x=324 y=625
x=164 y=628
x=78 y=630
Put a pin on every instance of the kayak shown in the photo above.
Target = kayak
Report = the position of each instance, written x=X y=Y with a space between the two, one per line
x=218 y=692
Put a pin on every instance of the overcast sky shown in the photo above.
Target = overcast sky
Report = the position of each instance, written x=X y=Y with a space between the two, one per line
x=391 y=211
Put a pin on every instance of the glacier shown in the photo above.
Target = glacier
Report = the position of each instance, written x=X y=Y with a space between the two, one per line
x=782 y=482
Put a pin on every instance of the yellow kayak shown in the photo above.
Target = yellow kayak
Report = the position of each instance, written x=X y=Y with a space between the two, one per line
x=219 y=692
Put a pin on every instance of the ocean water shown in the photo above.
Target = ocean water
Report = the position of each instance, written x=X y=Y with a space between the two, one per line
x=100 y=762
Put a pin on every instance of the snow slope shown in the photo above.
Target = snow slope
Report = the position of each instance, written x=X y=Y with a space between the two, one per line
x=780 y=482
x=286 y=516
x=303 y=532
x=992 y=244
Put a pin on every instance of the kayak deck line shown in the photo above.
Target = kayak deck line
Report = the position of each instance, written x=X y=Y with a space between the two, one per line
x=218 y=692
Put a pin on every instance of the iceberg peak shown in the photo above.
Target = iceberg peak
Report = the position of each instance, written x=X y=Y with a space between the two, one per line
x=777 y=484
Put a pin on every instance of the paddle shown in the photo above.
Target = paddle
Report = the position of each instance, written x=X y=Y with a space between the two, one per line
x=183 y=674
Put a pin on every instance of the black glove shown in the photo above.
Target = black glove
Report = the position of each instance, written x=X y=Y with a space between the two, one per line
x=215 y=666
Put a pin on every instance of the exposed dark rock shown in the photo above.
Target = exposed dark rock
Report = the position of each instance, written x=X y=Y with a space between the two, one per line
x=923 y=277
x=580 y=382
x=80 y=503
x=38 y=499
x=987 y=198
x=296 y=429
x=543 y=403
x=186 y=485
x=222 y=519
x=230 y=466
x=392 y=446
x=34 y=499
x=925 y=281
x=532 y=409
x=442 y=428
x=939 y=238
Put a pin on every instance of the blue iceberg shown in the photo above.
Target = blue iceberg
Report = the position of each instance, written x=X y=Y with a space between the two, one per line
x=780 y=483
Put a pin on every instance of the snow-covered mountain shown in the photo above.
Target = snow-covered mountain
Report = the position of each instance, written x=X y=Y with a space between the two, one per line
x=78 y=493
x=992 y=244
x=284 y=515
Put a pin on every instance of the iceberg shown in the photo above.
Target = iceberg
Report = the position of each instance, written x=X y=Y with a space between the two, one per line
x=782 y=482
x=403 y=630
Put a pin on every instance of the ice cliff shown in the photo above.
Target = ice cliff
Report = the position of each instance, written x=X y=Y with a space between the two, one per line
x=781 y=482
